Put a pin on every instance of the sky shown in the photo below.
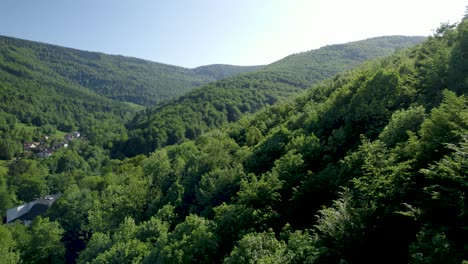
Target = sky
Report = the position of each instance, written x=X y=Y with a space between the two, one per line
x=192 y=33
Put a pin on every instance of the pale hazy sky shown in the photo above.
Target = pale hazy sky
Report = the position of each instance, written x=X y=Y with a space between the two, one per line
x=191 y=33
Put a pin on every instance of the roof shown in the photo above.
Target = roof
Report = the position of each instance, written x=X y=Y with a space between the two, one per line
x=35 y=211
x=29 y=211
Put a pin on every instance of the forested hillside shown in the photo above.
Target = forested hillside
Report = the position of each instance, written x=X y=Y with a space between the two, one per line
x=369 y=166
x=56 y=88
x=226 y=101
x=373 y=160
x=32 y=94
x=118 y=78
x=316 y=65
x=221 y=71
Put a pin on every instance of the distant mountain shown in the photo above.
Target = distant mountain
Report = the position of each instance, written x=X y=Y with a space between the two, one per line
x=318 y=64
x=227 y=100
x=118 y=78
x=66 y=89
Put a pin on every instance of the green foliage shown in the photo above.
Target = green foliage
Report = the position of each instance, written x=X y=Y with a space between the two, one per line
x=27 y=179
x=371 y=161
x=6 y=197
x=125 y=196
x=444 y=211
x=458 y=62
x=119 y=78
x=98 y=243
x=192 y=241
x=226 y=101
x=400 y=123
x=8 y=250
x=53 y=88
x=341 y=229
x=218 y=186
x=380 y=171
x=126 y=248
x=257 y=248
x=300 y=246
x=222 y=71
x=268 y=150
x=9 y=148
x=130 y=251
x=130 y=243
x=71 y=210
x=446 y=124
x=432 y=249
x=44 y=245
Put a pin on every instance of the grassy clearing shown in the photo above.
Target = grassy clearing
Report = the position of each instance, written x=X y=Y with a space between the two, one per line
x=25 y=127
x=58 y=135
x=135 y=106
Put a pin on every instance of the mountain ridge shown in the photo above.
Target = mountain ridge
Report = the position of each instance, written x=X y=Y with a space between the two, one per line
x=219 y=103
x=117 y=77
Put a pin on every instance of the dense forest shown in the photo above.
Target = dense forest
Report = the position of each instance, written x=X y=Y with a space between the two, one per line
x=119 y=78
x=367 y=166
x=219 y=103
x=53 y=88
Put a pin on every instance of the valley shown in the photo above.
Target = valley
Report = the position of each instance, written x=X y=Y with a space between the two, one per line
x=350 y=153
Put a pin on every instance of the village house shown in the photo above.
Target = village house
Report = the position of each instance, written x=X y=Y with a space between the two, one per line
x=26 y=213
x=45 y=154
x=73 y=135
x=58 y=145
x=30 y=145
x=76 y=134
x=68 y=137
x=43 y=150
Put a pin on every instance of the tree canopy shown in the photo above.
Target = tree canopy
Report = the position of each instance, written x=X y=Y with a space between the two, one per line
x=368 y=166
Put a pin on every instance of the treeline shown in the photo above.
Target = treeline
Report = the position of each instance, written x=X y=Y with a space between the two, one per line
x=217 y=104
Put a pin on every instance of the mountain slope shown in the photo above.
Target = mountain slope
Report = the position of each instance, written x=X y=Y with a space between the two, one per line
x=316 y=65
x=118 y=78
x=225 y=101
x=367 y=167
x=32 y=93
x=60 y=88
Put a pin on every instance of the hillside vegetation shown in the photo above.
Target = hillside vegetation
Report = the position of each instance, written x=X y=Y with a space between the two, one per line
x=369 y=166
x=317 y=65
x=226 y=101
x=53 y=87
x=221 y=71
x=119 y=78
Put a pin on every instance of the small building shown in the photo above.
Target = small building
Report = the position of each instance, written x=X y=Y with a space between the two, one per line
x=41 y=147
x=30 y=145
x=27 y=212
x=44 y=154
x=76 y=134
x=59 y=145
x=68 y=137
